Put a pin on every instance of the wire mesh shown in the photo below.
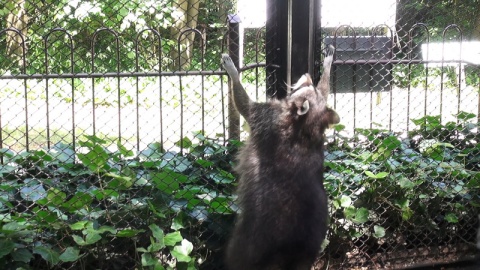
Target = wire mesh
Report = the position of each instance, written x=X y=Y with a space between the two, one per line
x=405 y=85
x=116 y=150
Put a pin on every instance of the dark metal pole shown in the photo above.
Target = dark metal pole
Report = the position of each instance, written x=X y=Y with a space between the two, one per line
x=276 y=47
x=303 y=28
x=292 y=31
x=234 y=49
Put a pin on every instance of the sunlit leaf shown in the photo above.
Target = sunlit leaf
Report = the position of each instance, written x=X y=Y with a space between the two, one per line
x=172 y=238
x=379 y=231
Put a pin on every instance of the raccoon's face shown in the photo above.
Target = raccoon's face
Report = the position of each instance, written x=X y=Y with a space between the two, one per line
x=306 y=100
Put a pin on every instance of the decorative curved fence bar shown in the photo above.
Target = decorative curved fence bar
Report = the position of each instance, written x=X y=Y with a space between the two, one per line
x=118 y=137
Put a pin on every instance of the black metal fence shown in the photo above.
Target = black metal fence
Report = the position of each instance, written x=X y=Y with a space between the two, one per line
x=117 y=136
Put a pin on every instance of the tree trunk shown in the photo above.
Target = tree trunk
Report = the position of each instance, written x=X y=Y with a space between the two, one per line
x=476 y=30
x=18 y=19
x=186 y=17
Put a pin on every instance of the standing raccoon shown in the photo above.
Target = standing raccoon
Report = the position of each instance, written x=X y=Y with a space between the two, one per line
x=283 y=218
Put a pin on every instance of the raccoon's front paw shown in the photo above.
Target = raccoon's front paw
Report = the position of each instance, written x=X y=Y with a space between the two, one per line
x=228 y=65
x=330 y=50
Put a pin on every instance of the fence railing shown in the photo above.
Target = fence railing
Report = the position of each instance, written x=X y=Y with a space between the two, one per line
x=109 y=151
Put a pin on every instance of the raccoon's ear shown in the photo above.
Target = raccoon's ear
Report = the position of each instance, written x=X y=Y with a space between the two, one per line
x=331 y=117
x=299 y=105
x=304 y=108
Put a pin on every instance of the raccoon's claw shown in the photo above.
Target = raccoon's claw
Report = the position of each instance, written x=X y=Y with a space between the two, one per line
x=228 y=65
x=330 y=50
x=226 y=61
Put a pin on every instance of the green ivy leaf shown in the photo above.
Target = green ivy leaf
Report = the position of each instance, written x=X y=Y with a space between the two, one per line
x=361 y=216
x=105 y=228
x=56 y=197
x=187 y=143
x=79 y=240
x=6 y=247
x=222 y=177
x=404 y=182
x=92 y=238
x=157 y=232
x=177 y=222
x=70 y=254
x=324 y=245
x=379 y=231
x=403 y=203
x=21 y=255
x=391 y=143
x=339 y=127
x=451 y=217
x=407 y=213
x=95 y=159
x=101 y=194
x=464 y=116
x=148 y=259
x=119 y=181
x=128 y=233
x=345 y=201
x=123 y=150
x=46 y=216
x=219 y=204
x=80 y=225
x=78 y=201
x=154 y=151
x=168 y=181
x=14 y=226
x=47 y=254
x=182 y=252
x=379 y=175
x=172 y=238
x=204 y=163
x=349 y=212
x=355 y=215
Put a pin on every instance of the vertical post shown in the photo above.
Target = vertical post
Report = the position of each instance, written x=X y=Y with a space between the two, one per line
x=292 y=31
x=234 y=50
x=303 y=37
x=276 y=47
x=478 y=113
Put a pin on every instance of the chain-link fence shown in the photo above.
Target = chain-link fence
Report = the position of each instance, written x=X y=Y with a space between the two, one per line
x=117 y=136
x=403 y=171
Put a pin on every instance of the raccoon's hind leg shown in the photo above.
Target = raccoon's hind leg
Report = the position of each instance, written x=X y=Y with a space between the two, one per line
x=240 y=97
x=324 y=84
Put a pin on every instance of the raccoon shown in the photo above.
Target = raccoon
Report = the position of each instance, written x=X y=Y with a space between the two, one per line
x=283 y=216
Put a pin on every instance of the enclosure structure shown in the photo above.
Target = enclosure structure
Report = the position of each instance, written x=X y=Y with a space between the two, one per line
x=117 y=139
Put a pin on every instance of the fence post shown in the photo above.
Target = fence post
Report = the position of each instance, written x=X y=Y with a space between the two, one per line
x=234 y=50
x=292 y=31
x=302 y=38
x=276 y=47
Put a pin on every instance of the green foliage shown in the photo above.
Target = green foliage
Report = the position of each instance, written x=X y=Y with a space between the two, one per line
x=386 y=185
x=81 y=19
x=62 y=206
x=83 y=199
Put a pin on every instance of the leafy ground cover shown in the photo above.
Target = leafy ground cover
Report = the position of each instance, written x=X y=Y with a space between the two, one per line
x=394 y=192
x=158 y=209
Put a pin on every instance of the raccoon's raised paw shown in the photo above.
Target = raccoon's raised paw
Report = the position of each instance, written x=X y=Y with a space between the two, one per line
x=330 y=50
x=228 y=65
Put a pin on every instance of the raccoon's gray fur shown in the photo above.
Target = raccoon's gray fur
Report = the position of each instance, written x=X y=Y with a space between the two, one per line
x=283 y=218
